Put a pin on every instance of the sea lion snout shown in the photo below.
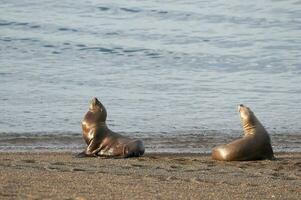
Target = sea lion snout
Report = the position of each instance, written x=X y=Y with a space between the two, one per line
x=244 y=111
x=242 y=106
x=239 y=107
x=93 y=103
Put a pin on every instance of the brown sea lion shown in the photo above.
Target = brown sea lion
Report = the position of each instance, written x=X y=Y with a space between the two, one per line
x=101 y=140
x=255 y=144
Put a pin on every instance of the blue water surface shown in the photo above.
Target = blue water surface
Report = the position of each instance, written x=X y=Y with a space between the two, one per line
x=160 y=67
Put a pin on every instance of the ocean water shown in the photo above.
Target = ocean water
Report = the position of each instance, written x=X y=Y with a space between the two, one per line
x=170 y=72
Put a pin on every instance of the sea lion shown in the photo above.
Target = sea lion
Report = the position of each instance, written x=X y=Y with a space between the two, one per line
x=101 y=140
x=255 y=144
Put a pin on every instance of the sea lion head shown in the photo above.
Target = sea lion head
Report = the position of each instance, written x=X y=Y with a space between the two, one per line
x=245 y=112
x=99 y=111
x=247 y=117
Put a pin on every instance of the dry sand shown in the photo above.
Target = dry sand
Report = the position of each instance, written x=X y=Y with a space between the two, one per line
x=153 y=176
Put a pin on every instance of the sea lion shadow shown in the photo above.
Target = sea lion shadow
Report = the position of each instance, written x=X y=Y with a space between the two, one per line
x=287 y=158
x=83 y=155
x=29 y=161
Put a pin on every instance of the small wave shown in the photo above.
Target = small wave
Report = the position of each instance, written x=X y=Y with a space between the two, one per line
x=5 y=74
x=153 y=55
x=5 y=39
x=68 y=29
x=5 y=23
x=48 y=46
x=123 y=51
x=8 y=39
x=101 y=49
x=21 y=24
x=35 y=26
x=161 y=12
x=112 y=33
x=103 y=8
x=80 y=45
x=131 y=10
x=133 y=50
x=27 y=24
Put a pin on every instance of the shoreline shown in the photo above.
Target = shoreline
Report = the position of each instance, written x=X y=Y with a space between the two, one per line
x=53 y=175
x=171 y=143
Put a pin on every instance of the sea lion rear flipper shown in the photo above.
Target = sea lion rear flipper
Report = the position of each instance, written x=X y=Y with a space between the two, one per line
x=134 y=148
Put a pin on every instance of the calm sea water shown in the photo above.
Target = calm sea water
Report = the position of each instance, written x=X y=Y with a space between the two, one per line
x=170 y=72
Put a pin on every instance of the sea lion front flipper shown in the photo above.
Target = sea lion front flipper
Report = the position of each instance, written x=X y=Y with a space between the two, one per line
x=92 y=149
x=81 y=155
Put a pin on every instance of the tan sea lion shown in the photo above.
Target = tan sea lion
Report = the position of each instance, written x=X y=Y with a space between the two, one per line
x=101 y=140
x=255 y=144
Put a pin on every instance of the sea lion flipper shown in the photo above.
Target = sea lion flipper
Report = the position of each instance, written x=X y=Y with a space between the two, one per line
x=81 y=155
x=92 y=149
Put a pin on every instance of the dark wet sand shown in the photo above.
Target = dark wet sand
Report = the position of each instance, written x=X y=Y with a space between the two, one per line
x=154 y=176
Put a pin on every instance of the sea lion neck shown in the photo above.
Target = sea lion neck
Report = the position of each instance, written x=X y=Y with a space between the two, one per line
x=101 y=125
x=95 y=116
x=251 y=126
x=249 y=129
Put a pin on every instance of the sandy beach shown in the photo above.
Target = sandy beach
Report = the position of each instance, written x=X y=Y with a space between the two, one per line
x=153 y=176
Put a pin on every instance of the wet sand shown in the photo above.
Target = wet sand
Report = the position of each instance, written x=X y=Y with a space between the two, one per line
x=153 y=176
